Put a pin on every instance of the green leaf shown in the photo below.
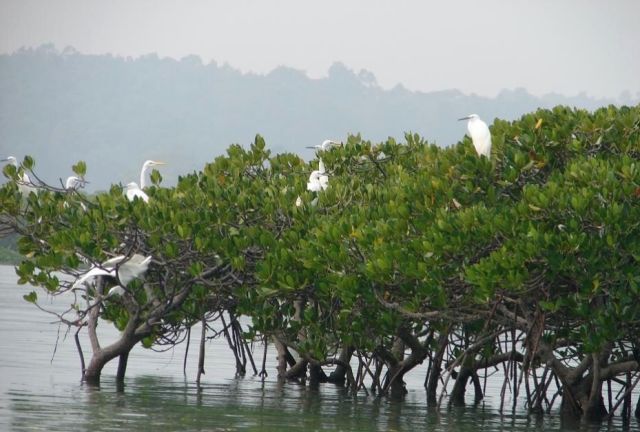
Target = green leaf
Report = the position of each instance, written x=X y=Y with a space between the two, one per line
x=266 y=292
x=32 y=297
x=80 y=168
x=156 y=177
x=28 y=163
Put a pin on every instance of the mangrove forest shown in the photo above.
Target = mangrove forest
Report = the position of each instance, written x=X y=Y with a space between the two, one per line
x=522 y=267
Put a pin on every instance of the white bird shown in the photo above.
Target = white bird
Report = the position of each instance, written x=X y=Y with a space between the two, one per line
x=121 y=268
x=299 y=201
x=480 y=135
x=143 y=172
x=326 y=145
x=25 y=185
x=133 y=191
x=115 y=291
x=318 y=180
x=74 y=183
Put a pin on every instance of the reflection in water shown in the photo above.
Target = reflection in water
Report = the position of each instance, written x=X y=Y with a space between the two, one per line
x=40 y=391
x=152 y=402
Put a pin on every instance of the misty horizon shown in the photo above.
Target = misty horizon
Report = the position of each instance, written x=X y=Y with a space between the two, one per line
x=569 y=48
x=625 y=97
x=114 y=113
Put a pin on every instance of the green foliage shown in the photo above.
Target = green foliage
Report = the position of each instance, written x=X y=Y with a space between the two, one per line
x=32 y=297
x=8 y=250
x=404 y=231
x=80 y=168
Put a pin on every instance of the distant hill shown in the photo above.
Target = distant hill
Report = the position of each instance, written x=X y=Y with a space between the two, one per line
x=115 y=112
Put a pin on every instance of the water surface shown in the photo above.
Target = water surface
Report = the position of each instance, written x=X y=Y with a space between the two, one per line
x=40 y=389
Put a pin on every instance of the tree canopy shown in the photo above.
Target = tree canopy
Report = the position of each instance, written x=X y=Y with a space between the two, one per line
x=413 y=252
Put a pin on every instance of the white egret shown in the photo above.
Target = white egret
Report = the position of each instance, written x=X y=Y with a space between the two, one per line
x=480 y=134
x=74 y=183
x=133 y=190
x=120 y=268
x=326 y=145
x=299 y=201
x=25 y=185
x=143 y=172
x=318 y=180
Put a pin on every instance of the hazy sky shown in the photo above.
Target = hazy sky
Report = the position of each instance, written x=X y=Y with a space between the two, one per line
x=566 y=46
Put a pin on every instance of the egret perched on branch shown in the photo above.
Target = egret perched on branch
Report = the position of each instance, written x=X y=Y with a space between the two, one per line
x=25 y=185
x=133 y=190
x=326 y=145
x=74 y=183
x=121 y=268
x=318 y=180
x=480 y=135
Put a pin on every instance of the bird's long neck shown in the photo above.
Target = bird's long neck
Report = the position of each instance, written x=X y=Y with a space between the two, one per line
x=143 y=175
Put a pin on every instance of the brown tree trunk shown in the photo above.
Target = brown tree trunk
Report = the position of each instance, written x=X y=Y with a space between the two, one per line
x=436 y=368
x=201 y=352
x=594 y=408
x=397 y=369
x=477 y=387
x=583 y=399
x=284 y=358
x=398 y=388
x=282 y=362
x=339 y=373
x=94 y=369
x=135 y=330
x=103 y=355
x=460 y=386
x=396 y=372
x=122 y=366
x=316 y=375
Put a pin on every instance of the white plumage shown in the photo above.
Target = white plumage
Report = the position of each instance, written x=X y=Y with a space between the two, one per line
x=120 y=268
x=480 y=135
x=74 y=183
x=326 y=145
x=318 y=180
x=133 y=190
x=143 y=172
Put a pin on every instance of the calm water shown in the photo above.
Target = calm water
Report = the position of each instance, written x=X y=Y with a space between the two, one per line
x=41 y=390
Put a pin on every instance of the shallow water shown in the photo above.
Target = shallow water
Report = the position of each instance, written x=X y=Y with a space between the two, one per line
x=40 y=389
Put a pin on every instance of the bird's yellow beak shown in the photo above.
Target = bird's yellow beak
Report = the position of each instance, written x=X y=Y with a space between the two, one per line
x=159 y=163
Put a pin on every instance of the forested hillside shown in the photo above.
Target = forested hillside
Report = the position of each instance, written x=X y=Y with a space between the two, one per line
x=60 y=106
